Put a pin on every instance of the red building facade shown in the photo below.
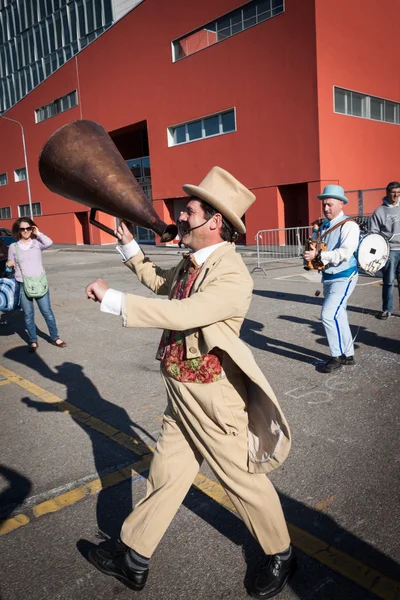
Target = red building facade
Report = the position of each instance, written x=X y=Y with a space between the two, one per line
x=289 y=80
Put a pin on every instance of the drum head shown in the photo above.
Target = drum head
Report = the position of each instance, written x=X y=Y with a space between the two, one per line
x=373 y=252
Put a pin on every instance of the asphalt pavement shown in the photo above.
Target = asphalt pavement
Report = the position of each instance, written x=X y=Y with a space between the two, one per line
x=78 y=427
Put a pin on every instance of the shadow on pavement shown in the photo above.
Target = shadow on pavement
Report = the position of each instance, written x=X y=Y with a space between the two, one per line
x=309 y=299
x=17 y=491
x=250 y=334
x=361 y=334
x=113 y=504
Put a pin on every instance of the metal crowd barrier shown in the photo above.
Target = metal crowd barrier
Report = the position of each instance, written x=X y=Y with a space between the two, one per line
x=280 y=244
x=288 y=243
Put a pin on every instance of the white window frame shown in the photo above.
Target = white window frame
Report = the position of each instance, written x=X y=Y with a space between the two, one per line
x=174 y=43
x=368 y=98
x=35 y=212
x=172 y=129
x=5 y=208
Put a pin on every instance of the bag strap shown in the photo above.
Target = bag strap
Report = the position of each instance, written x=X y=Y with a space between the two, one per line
x=18 y=259
x=336 y=226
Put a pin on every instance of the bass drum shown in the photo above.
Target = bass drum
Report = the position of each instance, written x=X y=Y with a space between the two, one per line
x=372 y=252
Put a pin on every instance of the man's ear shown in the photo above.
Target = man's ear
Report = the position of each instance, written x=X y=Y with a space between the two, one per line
x=216 y=221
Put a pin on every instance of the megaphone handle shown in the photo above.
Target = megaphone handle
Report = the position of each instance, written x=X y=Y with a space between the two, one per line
x=92 y=221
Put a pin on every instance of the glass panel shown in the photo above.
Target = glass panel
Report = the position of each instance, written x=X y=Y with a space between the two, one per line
x=98 y=19
x=52 y=41
x=390 y=112
x=249 y=15
x=146 y=167
x=180 y=134
x=340 y=101
x=236 y=22
x=28 y=8
x=135 y=167
x=377 y=109
x=223 y=28
x=38 y=41
x=89 y=16
x=65 y=27
x=108 y=15
x=228 y=121
x=194 y=130
x=45 y=40
x=81 y=18
x=211 y=125
x=263 y=6
x=72 y=20
x=179 y=51
x=57 y=19
x=357 y=104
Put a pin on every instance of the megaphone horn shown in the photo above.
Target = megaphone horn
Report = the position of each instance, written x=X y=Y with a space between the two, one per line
x=81 y=162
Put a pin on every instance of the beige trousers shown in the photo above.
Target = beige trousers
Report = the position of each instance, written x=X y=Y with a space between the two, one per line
x=205 y=421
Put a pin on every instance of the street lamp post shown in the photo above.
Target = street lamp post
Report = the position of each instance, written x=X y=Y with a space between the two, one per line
x=26 y=162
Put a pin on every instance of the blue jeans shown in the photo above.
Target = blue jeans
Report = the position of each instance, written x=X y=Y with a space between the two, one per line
x=29 y=315
x=392 y=271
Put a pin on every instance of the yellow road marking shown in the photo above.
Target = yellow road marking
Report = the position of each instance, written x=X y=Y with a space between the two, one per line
x=4 y=382
x=123 y=439
x=13 y=523
x=345 y=565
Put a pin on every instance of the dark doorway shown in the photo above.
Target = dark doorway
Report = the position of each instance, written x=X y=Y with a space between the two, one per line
x=295 y=200
x=83 y=218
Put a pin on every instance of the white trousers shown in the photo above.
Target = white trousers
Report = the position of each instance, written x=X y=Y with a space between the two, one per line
x=334 y=314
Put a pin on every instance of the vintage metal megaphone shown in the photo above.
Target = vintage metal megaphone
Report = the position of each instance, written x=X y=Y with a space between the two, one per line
x=81 y=162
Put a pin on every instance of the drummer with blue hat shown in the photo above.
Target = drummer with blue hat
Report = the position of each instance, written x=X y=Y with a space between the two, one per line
x=339 y=275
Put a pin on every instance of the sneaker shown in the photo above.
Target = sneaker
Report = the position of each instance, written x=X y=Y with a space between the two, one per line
x=383 y=316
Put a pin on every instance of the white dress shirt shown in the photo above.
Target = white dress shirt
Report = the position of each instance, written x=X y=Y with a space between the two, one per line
x=350 y=238
x=112 y=301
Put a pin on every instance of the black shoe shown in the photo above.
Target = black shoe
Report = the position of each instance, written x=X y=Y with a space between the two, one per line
x=115 y=564
x=348 y=360
x=273 y=576
x=383 y=316
x=333 y=364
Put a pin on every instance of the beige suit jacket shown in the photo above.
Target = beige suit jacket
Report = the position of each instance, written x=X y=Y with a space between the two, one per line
x=212 y=317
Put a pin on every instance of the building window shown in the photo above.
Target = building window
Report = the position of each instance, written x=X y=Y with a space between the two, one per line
x=5 y=213
x=355 y=104
x=234 y=22
x=199 y=129
x=3 y=179
x=20 y=174
x=24 y=210
x=57 y=106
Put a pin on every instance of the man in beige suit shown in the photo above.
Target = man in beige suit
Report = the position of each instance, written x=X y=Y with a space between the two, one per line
x=220 y=406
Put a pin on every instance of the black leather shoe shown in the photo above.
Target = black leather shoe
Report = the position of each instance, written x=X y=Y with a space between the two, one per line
x=348 y=360
x=273 y=576
x=333 y=364
x=115 y=565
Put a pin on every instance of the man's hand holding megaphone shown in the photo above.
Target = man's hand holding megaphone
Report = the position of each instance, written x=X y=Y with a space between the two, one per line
x=124 y=234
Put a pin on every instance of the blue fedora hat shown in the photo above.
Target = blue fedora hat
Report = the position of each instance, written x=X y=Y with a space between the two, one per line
x=333 y=191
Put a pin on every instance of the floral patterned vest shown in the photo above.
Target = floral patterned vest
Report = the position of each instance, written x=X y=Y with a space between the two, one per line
x=171 y=351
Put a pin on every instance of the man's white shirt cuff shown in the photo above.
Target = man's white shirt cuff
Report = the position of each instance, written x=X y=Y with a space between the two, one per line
x=129 y=250
x=112 y=302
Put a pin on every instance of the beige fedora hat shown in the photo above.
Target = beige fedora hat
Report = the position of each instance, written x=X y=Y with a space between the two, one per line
x=224 y=193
